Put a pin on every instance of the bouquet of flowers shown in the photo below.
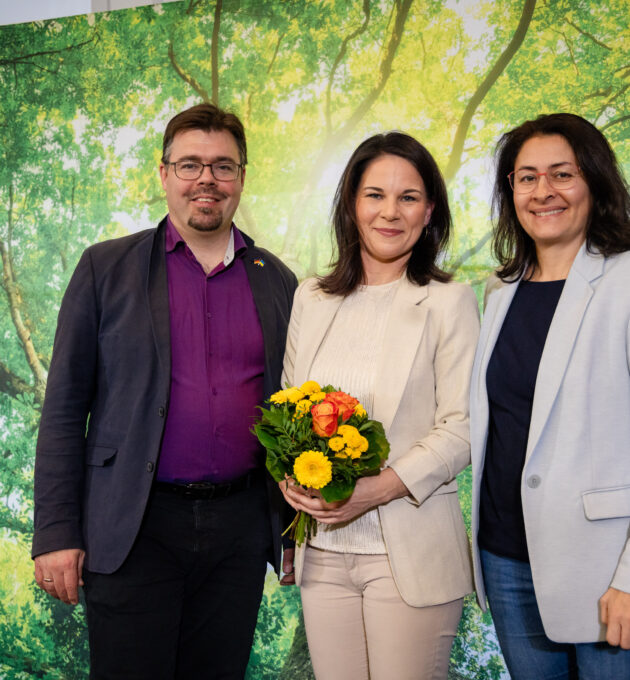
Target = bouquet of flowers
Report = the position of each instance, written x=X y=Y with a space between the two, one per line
x=323 y=438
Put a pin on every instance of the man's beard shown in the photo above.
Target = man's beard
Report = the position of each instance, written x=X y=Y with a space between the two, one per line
x=206 y=219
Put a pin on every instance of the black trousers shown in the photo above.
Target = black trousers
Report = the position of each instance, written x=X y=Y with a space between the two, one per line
x=184 y=604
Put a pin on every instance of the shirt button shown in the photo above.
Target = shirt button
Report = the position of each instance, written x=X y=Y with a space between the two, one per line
x=214 y=391
x=534 y=481
x=161 y=411
x=150 y=467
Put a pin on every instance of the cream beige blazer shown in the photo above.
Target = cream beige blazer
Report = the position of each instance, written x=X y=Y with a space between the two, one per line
x=423 y=379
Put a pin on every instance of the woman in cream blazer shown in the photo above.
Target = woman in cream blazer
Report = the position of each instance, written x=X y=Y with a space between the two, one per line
x=388 y=606
x=559 y=585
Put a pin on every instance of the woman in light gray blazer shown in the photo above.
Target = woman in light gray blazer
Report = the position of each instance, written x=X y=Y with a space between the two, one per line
x=383 y=580
x=550 y=407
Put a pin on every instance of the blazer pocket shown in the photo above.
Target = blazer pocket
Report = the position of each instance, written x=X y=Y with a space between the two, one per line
x=607 y=503
x=100 y=455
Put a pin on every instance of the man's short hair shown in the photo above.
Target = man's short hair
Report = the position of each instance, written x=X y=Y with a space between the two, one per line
x=206 y=117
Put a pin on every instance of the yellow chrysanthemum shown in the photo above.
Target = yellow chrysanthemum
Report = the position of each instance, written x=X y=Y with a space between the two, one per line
x=341 y=454
x=354 y=452
x=336 y=443
x=310 y=387
x=294 y=394
x=313 y=469
x=350 y=435
x=280 y=397
x=360 y=411
x=317 y=397
x=302 y=407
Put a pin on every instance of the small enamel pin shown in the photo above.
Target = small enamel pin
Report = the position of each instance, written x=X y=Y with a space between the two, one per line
x=260 y=262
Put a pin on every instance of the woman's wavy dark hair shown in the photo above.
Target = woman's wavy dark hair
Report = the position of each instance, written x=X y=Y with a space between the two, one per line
x=608 y=228
x=347 y=271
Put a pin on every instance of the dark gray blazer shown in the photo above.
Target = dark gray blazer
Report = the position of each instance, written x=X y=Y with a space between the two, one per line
x=108 y=392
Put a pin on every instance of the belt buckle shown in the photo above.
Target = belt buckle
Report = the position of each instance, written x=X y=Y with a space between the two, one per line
x=209 y=490
x=199 y=486
x=199 y=489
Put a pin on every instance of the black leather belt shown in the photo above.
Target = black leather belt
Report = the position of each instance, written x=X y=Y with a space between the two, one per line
x=210 y=490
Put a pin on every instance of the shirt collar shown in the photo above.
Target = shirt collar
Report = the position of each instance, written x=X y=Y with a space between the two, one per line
x=236 y=244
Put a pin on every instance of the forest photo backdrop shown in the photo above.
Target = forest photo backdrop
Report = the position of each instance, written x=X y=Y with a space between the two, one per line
x=83 y=104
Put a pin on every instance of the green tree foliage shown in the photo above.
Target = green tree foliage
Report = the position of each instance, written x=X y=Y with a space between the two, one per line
x=275 y=641
x=84 y=101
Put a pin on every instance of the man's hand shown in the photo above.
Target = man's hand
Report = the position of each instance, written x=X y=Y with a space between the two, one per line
x=59 y=573
x=288 y=567
x=614 y=607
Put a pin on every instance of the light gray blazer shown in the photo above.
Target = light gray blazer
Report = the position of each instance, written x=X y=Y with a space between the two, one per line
x=423 y=379
x=575 y=486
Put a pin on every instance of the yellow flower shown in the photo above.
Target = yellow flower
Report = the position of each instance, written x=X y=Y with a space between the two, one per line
x=310 y=387
x=350 y=435
x=360 y=411
x=341 y=454
x=294 y=394
x=317 y=397
x=336 y=443
x=279 y=397
x=355 y=442
x=312 y=468
x=302 y=407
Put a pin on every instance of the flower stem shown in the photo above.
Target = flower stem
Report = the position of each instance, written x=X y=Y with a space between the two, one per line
x=302 y=527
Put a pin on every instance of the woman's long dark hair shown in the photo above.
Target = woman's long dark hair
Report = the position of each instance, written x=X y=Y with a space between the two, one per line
x=608 y=228
x=347 y=271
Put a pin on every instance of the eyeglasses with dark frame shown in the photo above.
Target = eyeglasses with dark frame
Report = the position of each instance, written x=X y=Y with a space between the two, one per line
x=223 y=171
x=524 y=181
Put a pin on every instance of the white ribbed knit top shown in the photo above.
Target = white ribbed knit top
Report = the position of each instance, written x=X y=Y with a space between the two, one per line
x=347 y=359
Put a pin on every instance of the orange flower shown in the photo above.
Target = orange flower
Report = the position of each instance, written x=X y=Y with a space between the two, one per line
x=325 y=417
x=344 y=402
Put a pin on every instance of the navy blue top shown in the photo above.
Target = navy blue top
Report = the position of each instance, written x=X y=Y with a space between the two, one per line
x=510 y=381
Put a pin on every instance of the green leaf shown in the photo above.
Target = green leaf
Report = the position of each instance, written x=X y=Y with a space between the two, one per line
x=277 y=468
x=265 y=437
x=377 y=440
x=338 y=490
x=275 y=417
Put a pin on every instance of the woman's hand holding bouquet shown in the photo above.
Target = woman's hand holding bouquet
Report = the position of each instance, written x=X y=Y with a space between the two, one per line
x=322 y=447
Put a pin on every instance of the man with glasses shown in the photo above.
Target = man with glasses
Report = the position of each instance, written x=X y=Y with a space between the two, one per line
x=150 y=489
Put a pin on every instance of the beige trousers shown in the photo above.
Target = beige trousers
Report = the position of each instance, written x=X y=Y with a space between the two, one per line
x=359 y=628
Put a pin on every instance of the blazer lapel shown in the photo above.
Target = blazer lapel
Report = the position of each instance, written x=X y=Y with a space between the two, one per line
x=313 y=329
x=404 y=332
x=494 y=314
x=498 y=304
x=157 y=293
x=563 y=331
x=261 y=287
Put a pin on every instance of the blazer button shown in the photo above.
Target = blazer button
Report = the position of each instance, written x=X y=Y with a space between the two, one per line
x=161 y=411
x=150 y=467
x=533 y=482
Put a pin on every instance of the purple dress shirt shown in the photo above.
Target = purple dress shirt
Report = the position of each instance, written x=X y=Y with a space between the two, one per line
x=217 y=364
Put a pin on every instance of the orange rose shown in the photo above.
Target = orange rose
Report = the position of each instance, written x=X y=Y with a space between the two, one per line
x=344 y=402
x=325 y=417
